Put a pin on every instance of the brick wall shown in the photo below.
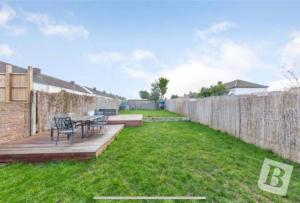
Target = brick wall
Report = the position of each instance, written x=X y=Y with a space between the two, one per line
x=14 y=121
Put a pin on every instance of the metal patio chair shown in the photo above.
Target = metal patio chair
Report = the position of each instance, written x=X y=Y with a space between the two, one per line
x=98 y=123
x=64 y=125
x=52 y=124
x=104 y=118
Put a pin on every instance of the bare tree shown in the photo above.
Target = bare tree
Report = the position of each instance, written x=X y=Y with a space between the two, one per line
x=288 y=71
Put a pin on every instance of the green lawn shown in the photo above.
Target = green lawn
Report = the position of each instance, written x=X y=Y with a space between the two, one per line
x=170 y=158
x=151 y=113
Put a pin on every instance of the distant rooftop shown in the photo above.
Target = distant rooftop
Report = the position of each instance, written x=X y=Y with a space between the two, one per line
x=98 y=92
x=243 y=84
x=102 y=93
x=49 y=80
x=15 y=69
x=40 y=78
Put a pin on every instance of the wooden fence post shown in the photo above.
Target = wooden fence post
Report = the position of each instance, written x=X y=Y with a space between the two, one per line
x=32 y=101
x=8 y=71
x=30 y=81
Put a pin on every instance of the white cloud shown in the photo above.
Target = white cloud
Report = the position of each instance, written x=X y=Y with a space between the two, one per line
x=205 y=65
x=105 y=58
x=137 y=64
x=5 y=50
x=16 y=31
x=238 y=55
x=281 y=85
x=290 y=58
x=68 y=31
x=191 y=76
x=50 y=27
x=291 y=51
x=133 y=59
x=224 y=60
x=142 y=54
x=6 y=15
x=37 y=18
x=215 y=28
x=214 y=59
x=136 y=73
x=46 y=25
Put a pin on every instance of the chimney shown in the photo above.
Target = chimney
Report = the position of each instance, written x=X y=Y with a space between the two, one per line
x=8 y=68
x=36 y=71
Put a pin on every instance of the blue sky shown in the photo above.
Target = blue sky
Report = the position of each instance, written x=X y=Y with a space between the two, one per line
x=122 y=47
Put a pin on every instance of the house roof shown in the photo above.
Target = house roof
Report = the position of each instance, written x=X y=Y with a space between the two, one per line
x=97 y=92
x=243 y=84
x=49 y=80
x=102 y=93
x=15 y=69
x=45 y=79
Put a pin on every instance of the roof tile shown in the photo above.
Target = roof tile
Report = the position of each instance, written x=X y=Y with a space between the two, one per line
x=243 y=84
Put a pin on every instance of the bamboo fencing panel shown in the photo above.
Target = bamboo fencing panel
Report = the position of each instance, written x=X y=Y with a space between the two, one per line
x=271 y=121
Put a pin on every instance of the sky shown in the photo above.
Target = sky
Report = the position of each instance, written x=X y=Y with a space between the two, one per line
x=123 y=46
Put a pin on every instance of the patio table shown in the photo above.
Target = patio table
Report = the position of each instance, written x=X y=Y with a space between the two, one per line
x=85 y=121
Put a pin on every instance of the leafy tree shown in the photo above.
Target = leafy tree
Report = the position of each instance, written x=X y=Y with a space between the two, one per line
x=155 y=92
x=158 y=90
x=144 y=94
x=214 y=90
x=205 y=92
x=163 y=85
x=174 y=96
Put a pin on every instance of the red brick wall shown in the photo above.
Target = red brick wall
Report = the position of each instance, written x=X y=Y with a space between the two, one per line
x=14 y=121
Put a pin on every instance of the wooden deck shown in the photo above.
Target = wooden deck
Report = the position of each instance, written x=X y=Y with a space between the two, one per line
x=127 y=120
x=40 y=148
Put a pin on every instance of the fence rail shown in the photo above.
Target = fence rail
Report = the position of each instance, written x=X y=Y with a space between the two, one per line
x=271 y=121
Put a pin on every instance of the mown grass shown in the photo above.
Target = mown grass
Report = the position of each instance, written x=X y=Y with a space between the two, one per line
x=151 y=113
x=157 y=159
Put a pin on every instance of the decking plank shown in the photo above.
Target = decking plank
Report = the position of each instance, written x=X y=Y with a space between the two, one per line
x=40 y=148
